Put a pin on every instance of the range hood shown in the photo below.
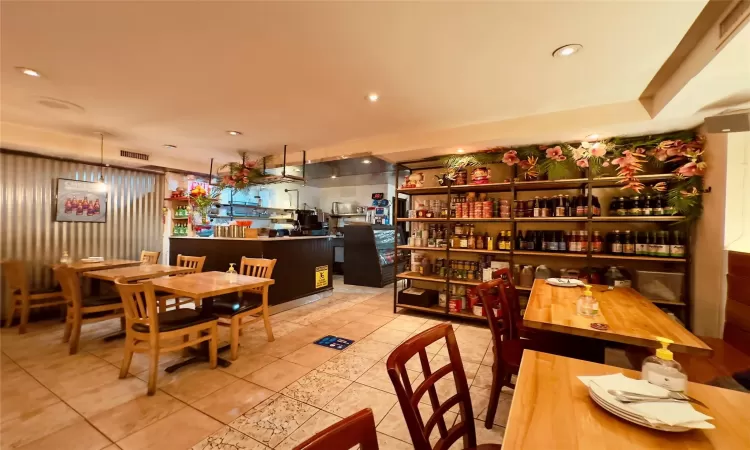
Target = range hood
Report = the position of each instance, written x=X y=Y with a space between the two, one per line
x=346 y=172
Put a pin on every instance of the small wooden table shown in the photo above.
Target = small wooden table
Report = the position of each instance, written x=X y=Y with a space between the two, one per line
x=632 y=319
x=140 y=272
x=81 y=266
x=551 y=408
x=203 y=286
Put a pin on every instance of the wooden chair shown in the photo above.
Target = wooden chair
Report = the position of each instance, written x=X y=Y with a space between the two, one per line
x=192 y=262
x=83 y=309
x=236 y=307
x=507 y=345
x=145 y=328
x=357 y=429
x=409 y=399
x=22 y=297
x=150 y=257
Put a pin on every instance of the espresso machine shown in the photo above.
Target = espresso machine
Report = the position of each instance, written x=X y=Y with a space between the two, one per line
x=308 y=224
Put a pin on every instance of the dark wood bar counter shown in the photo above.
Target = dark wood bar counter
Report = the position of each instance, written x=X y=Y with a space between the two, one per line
x=304 y=264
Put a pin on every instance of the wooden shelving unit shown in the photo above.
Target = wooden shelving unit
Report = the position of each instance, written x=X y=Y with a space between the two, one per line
x=584 y=186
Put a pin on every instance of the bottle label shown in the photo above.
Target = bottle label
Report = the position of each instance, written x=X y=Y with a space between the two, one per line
x=628 y=249
x=648 y=212
x=579 y=211
x=545 y=246
x=658 y=211
x=677 y=251
x=537 y=212
x=561 y=246
x=552 y=246
x=641 y=249
x=622 y=283
x=667 y=382
x=653 y=249
x=663 y=250
x=596 y=246
x=530 y=245
x=616 y=247
x=622 y=212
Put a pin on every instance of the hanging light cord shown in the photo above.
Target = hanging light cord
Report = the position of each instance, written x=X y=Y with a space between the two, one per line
x=101 y=157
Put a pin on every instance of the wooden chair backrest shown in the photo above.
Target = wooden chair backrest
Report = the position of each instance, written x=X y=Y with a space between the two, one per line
x=257 y=267
x=70 y=284
x=139 y=303
x=150 y=257
x=409 y=399
x=193 y=262
x=357 y=429
x=16 y=279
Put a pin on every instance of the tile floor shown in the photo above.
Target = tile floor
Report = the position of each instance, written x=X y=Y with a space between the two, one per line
x=275 y=395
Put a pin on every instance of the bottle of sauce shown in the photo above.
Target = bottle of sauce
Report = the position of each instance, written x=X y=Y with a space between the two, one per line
x=658 y=209
x=614 y=206
x=472 y=240
x=552 y=244
x=480 y=242
x=677 y=246
x=596 y=242
x=425 y=268
x=635 y=207
x=463 y=241
x=560 y=206
x=520 y=244
x=537 y=207
x=616 y=243
x=648 y=209
x=561 y=244
x=628 y=246
x=530 y=240
x=663 y=246
x=641 y=248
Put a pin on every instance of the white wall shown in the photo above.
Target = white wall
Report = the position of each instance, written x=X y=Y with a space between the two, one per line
x=737 y=218
x=361 y=195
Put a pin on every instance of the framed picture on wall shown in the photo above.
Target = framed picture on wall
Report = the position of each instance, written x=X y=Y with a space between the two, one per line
x=80 y=201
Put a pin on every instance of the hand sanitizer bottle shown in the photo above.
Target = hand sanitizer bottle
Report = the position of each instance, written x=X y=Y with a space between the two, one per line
x=662 y=370
x=587 y=305
x=232 y=274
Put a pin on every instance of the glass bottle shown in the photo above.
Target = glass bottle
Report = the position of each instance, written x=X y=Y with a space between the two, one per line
x=574 y=241
x=635 y=207
x=621 y=207
x=537 y=207
x=640 y=244
x=663 y=245
x=587 y=305
x=648 y=209
x=677 y=246
x=658 y=209
x=479 y=242
x=65 y=258
x=596 y=207
x=616 y=243
x=668 y=209
x=569 y=207
x=520 y=243
x=628 y=246
x=613 y=206
x=530 y=240
x=653 y=246
x=472 y=240
x=596 y=242
x=560 y=206
x=232 y=274
x=561 y=244
x=662 y=370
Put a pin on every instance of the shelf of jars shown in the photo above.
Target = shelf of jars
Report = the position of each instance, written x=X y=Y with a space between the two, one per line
x=455 y=250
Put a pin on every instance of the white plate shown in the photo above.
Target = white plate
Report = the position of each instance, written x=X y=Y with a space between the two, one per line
x=564 y=282
x=631 y=417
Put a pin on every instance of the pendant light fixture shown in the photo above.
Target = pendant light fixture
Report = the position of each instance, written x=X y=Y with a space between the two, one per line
x=101 y=162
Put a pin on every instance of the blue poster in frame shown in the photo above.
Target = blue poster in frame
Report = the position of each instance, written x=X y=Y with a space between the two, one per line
x=334 y=342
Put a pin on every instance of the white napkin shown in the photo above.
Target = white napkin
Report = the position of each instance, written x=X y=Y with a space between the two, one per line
x=669 y=413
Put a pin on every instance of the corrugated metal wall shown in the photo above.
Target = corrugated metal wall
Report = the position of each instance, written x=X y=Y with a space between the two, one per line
x=29 y=232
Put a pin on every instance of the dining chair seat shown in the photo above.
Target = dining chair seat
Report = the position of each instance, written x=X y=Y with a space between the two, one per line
x=488 y=447
x=40 y=291
x=232 y=304
x=100 y=300
x=176 y=319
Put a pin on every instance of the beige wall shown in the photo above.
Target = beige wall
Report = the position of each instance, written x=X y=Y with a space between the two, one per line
x=709 y=256
x=737 y=222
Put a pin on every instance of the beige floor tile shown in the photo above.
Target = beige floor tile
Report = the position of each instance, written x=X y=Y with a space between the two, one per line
x=273 y=420
x=377 y=377
x=349 y=314
x=389 y=335
x=483 y=377
x=229 y=439
x=50 y=369
x=112 y=447
x=331 y=322
x=231 y=401
x=356 y=330
x=191 y=383
x=21 y=394
x=474 y=332
x=374 y=319
x=69 y=387
x=180 y=430
x=134 y=415
x=470 y=368
x=357 y=397
x=370 y=349
x=283 y=345
x=347 y=366
x=386 y=442
x=470 y=351
x=141 y=361
x=311 y=355
x=489 y=357
x=320 y=421
x=394 y=424
x=108 y=396
x=247 y=363
x=277 y=375
x=37 y=425
x=78 y=436
x=480 y=400
x=316 y=388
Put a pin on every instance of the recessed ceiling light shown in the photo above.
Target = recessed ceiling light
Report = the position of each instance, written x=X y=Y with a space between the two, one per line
x=373 y=97
x=366 y=161
x=726 y=130
x=234 y=133
x=29 y=72
x=460 y=150
x=170 y=146
x=343 y=156
x=592 y=137
x=567 y=50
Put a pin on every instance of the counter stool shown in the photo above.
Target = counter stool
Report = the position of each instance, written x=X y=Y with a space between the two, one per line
x=356 y=430
x=22 y=297
x=148 y=257
x=192 y=262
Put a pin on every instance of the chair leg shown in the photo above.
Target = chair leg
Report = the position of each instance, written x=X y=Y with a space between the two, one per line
x=122 y=323
x=162 y=305
x=153 y=369
x=234 y=340
x=11 y=313
x=213 y=346
x=498 y=378
x=186 y=351
x=76 y=335
x=25 y=307
x=266 y=317
x=128 y=358
x=68 y=328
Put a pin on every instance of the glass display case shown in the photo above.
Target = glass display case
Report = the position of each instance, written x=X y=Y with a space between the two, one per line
x=369 y=252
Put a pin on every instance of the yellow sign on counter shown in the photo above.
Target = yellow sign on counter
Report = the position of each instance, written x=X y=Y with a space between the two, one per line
x=321 y=277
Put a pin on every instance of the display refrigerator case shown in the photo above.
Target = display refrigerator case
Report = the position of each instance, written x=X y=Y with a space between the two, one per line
x=369 y=252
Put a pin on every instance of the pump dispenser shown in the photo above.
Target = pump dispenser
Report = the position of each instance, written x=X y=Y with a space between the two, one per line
x=587 y=305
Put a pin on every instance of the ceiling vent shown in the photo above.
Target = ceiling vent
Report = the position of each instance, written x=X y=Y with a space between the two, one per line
x=729 y=122
x=134 y=155
x=735 y=17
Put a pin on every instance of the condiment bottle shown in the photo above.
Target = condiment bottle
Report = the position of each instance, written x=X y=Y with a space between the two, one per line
x=662 y=370
x=527 y=276
x=628 y=246
x=489 y=241
x=596 y=242
x=616 y=243
x=587 y=305
x=65 y=259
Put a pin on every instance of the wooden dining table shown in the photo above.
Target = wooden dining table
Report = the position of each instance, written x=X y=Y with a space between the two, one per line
x=202 y=287
x=551 y=408
x=139 y=272
x=629 y=317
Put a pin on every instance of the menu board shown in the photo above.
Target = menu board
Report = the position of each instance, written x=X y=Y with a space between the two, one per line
x=81 y=201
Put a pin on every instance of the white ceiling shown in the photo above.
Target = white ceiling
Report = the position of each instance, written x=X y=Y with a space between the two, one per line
x=297 y=73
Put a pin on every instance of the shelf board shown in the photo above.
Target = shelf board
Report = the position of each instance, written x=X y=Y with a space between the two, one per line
x=418 y=277
x=486 y=252
x=640 y=258
x=437 y=190
x=489 y=187
x=550 y=254
x=638 y=219
x=573 y=183
x=466 y=282
x=616 y=181
x=480 y=219
x=551 y=219
x=422 y=219
x=667 y=302
x=468 y=315
x=431 y=309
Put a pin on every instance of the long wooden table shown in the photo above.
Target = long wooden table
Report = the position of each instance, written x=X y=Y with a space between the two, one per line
x=203 y=287
x=632 y=319
x=81 y=266
x=139 y=272
x=551 y=408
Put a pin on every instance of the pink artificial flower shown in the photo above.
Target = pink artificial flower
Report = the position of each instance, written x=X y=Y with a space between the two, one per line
x=689 y=169
x=605 y=163
x=231 y=182
x=561 y=158
x=511 y=157
x=524 y=164
x=660 y=154
x=582 y=163
x=554 y=152
x=660 y=186
x=579 y=153
x=245 y=179
x=598 y=150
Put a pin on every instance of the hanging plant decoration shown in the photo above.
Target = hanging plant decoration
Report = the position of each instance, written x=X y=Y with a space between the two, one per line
x=241 y=174
x=678 y=152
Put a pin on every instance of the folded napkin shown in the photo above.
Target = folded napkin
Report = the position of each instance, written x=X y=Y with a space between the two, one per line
x=669 y=413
